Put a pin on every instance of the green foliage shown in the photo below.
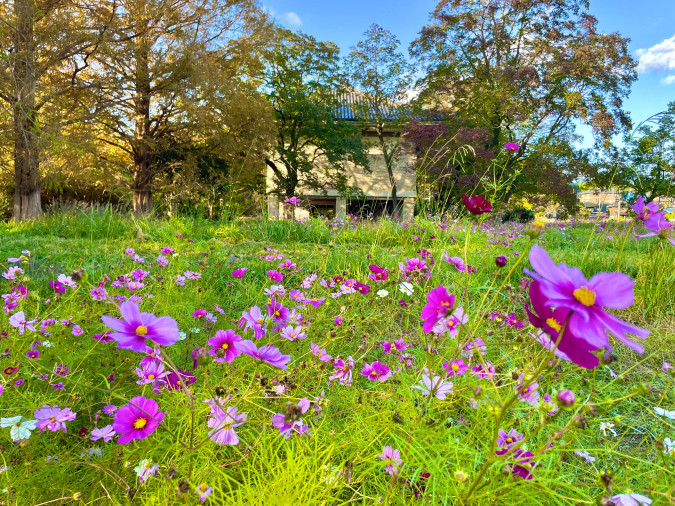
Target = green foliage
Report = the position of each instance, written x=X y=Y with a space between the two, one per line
x=519 y=215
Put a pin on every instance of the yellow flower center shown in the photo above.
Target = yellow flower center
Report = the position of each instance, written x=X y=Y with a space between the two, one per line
x=292 y=334
x=151 y=376
x=203 y=487
x=276 y=313
x=260 y=320
x=551 y=322
x=51 y=419
x=445 y=303
x=375 y=373
x=141 y=330
x=585 y=296
x=140 y=423
x=225 y=346
x=455 y=367
x=509 y=440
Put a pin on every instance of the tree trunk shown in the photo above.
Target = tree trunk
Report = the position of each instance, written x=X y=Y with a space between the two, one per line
x=142 y=148
x=27 y=204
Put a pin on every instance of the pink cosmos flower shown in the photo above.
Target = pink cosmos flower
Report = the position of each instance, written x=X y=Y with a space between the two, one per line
x=199 y=313
x=508 y=439
x=53 y=418
x=166 y=250
x=106 y=433
x=319 y=352
x=290 y=422
x=434 y=386
x=439 y=303
x=131 y=332
x=137 y=420
x=278 y=312
x=275 y=291
x=344 y=373
x=476 y=204
x=150 y=373
x=253 y=320
x=378 y=273
x=12 y=273
x=66 y=280
x=523 y=462
x=287 y=264
x=268 y=354
x=33 y=354
x=239 y=273
x=203 y=491
x=456 y=261
x=18 y=320
x=484 y=372
x=58 y=287
x=275 y=276
x=644 y=211
x=566 y=287
x=456 y=368
x=376 y=371
x=223 y=346
x=511 y=146
x=292 y=333
x=222 y=424
x=393 y=460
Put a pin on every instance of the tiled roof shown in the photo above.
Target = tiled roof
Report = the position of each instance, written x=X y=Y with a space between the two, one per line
x=352 y=103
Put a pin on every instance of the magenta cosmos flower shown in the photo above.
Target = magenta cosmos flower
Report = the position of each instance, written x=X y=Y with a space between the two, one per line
x=344 y=373
x=456 y=368
x=644 y=211
x=222 y=424
x=567 y=287
x=268 y=354
x=392 y=458
x=378 y=273
x=376 y=371
x=290 y=421
x=574 y=348
x=223 y=346
x=523 y=462
x=52 y=418
x=456 y=261
x=137 y=420
x=131 y=332
x=275 y=276
x=239 y=273
x=439 y=302
x=476 y=204
x=511 y=146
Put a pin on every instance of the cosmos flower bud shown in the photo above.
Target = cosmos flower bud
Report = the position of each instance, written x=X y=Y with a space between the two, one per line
x=608 y=357
x=501 y=261
x=565 y=398
x=535 y=229
x=77 y=495
x=461 y=476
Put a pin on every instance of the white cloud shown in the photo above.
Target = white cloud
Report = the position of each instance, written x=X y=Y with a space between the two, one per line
x=658 y=57
x=668 y=80
x=291 y=18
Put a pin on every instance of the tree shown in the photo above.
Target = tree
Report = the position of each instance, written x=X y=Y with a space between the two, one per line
x=524 y=72
x=383 y=76
x=301 y=81
x=179 y=74
x=47 y=48
x=645 y=164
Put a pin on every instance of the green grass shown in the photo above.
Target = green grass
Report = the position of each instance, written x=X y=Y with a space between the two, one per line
x=338 y=463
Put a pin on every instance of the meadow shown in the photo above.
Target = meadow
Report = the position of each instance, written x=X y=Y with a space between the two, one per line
x=357 y=362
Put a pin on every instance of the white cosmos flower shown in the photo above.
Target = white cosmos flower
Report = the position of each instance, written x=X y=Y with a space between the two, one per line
x=382 y=293
x=663 y=412
x=19 y=430
x=406 y=288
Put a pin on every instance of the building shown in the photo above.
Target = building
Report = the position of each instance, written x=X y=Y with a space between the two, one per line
x=375 y=185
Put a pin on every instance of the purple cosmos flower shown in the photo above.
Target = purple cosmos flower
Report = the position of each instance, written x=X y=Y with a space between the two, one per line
x=176 y=381
x=203 y=491
x=501 y=261
x=109 y=409
x=268 y=354
x=166 y=250
x=278 y=312
x=33 y=354
x=523 y=459
x=222 y=424
x=62 y=370
x=631 y=500
x=58 y=386
x=456 y=368
x=508 y=439
x=290 y=421
x=287 y=264
x=66 y=280
x=338 y=321
x=53 y=418
x=484 y=372
x=58 y=287
x=344 y=373
x=660 y=226
x=434 y=386
x=511 y=146
x=362 y=288
x=131 y=332
x=644 y=211
x=439 y=303
x=199 y=313
x=77 y=330
x=376 y=371
x=292 y=333
x=476 y=204
x=137 y=420
x=223 y=346
x=254 y=320
x=456 y=261
x=319 y=352
x=567 y=287
x=106 y=433
x=392 y=458
x=401 y=345
x=275 y=276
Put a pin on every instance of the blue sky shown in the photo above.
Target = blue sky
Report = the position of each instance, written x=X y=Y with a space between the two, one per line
x=650 y=24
